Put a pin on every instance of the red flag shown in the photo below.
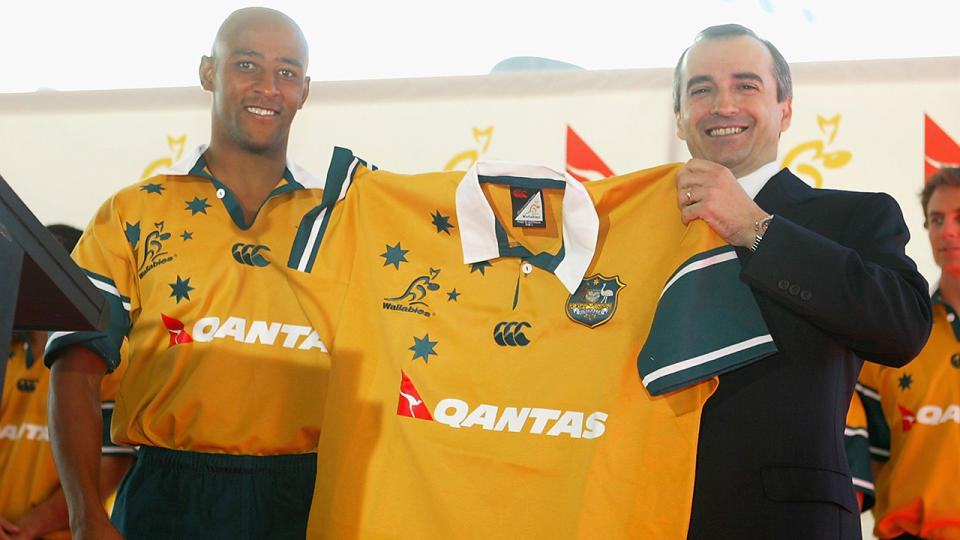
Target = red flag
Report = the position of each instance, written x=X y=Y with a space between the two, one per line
x=939 y=149
x=582 y=162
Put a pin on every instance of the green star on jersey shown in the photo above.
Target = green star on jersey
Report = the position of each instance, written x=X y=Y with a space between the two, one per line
x=442 y=223
x=152 y=188
x=197 y=206
x=187 y=235
x=452 y=295
x=394 y=255
x=133 y=234
x=423 y=348
x=181 y=289
x=481 y=266
x=905 y=381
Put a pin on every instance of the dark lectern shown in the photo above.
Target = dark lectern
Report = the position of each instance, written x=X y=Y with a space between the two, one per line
x=41 y=288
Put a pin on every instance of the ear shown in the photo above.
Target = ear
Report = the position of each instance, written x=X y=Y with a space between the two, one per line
x=206 y=72
x=786 y=110
x=306 y=92
x=679 y=127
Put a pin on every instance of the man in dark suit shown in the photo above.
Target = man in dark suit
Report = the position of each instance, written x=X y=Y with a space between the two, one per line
x=833 y=283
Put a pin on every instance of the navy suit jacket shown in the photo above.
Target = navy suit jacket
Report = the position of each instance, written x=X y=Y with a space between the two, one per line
x=835 y=288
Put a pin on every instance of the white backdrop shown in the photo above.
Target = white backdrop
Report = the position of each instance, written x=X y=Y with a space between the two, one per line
x=856 y=125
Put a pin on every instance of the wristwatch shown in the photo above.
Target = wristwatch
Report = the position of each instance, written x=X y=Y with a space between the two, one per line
x=759 y=229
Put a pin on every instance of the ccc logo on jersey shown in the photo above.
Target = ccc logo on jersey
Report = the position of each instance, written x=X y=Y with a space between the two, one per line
x=250 y=254
x=511 y=334
x=27 y=385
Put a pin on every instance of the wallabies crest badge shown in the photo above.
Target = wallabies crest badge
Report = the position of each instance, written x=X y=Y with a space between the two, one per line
x=595 y=300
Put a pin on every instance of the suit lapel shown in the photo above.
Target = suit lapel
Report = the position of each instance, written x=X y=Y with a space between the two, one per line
x=783 y=195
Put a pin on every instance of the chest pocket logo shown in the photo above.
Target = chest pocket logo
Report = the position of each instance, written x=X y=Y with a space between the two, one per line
x=249 y=254
x=27 y=385
x=511 y=334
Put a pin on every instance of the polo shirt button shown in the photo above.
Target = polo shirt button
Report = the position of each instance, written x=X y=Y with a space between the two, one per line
x=221 y=193
x=527 y=268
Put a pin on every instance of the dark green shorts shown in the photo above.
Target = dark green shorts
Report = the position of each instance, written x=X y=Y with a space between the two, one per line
x=172 y=494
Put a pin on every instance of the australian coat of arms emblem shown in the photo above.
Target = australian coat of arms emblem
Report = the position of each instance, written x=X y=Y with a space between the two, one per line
x=595 y=300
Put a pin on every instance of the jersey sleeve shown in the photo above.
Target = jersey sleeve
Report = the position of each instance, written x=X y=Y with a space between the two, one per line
x=868 y=388
x=105 y=254
x=322 y=256
x=343 y=167
x=707 y=321
x=856 y=442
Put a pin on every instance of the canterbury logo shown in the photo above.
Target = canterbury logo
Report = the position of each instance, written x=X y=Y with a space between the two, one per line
x=511 y=334
x=27 y=385
x=250 y=254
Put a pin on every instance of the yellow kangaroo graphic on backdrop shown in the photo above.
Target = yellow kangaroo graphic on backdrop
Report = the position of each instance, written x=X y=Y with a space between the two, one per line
x=833 y=160
x=176 y=145
x=467 y=158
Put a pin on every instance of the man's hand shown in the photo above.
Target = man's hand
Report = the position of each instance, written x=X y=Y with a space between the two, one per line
x=708 y=191
x=7 y=529
x=99 y=531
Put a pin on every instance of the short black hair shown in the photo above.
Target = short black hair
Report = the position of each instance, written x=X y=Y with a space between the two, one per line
x=781 y=69
x=947 y=176
x=65 y=234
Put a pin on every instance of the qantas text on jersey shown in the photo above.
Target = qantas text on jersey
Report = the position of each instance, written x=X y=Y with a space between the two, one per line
x=933 y=415
x=31 y=432
x=456 y=413
x=209 y=328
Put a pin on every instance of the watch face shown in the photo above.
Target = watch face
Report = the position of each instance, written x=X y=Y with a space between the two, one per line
x=764 y=223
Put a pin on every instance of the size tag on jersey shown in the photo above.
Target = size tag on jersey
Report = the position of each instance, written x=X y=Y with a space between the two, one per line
x=528 y=208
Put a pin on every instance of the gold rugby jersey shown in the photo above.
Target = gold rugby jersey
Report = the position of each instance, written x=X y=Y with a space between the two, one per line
x=222 y=357
x=28 y=475
x=484 y=377
x=914 y=421
x=857 y=445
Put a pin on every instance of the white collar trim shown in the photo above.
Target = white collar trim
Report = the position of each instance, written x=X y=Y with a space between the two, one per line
x=185 y=165
x=478 y=236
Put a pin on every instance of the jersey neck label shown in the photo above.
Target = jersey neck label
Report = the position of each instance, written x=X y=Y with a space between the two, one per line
x=528 y=208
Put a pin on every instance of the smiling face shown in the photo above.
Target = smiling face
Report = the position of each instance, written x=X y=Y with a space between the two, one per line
x=257 y=77
x=729 y=112
x=943 y=227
